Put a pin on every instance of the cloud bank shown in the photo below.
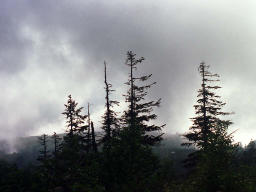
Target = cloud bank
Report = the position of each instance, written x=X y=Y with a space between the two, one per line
x=49 y=49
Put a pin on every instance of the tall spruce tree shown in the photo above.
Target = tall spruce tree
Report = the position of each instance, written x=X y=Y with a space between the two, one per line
x=212 y=161
x=110 y=121
x=78 y=158
x=111 y=131
x=130 y=165
x=74 y=149
x=208 y=111
x=139 y=113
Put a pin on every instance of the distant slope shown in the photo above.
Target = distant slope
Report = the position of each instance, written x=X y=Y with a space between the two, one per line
x=27 y=149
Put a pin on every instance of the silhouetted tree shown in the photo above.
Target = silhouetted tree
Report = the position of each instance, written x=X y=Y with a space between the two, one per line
x=57 y=143
x=94 y=143
x=111 y=125
x=209 y=135
x=90 y=136
x=73 y=152
x=44 y=159
x=130 y=165
x=208 y=111
x=140 y=113
x=44 y=152
x=56 y=169
x=73 y=115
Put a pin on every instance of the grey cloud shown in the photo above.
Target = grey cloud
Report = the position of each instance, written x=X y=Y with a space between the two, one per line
x=14 y=49
x=58 y=47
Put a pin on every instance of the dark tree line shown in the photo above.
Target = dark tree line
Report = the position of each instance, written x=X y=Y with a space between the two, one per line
x=120 y=157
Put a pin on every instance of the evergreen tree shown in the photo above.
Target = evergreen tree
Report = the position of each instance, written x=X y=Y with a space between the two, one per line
x=75 y=120
x=130 y=164
x=44 y=152
x=94 y=143
x=90 y=136
x=111 y=125
x=140 y=114
x=215 y=148
x=44 y=159
x=208 y=111
x=56 y=161
x=76 y=128
x=57 y=144
x=73 y=152
x=111 y=131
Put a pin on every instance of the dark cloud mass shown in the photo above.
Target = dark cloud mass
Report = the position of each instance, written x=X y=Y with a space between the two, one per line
x=51 y=48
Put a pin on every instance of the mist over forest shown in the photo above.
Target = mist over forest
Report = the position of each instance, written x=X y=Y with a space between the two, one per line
x=50 y=49
x=131 y=147
x=135 y=96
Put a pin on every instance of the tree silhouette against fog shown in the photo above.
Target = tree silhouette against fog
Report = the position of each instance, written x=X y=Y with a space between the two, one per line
x=131 y=164
x=140 y=112
x=111 y=124
x=122 y=158
x=209 y=134
x=74 y=118
x=208 y=111
x=74 y=145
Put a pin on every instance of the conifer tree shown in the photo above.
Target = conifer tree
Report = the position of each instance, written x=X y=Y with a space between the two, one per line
x=76 y=138
x=56 y=169
x=111 y=131
x=88 y=136
x=44 y=159
x=208 y=111
x=57 y=143
x=111 y=125
x=94 y=143
x=78 y=157
x=73 y=151
x=212 y=161
x=131 y=164
x=139 y=113
x=75 y=120
x=44 y=152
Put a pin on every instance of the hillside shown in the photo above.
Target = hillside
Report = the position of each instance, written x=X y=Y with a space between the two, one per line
x=27 y=148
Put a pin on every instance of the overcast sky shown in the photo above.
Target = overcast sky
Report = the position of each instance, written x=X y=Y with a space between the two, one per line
x=52 y=48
